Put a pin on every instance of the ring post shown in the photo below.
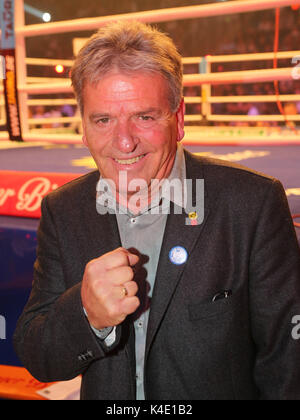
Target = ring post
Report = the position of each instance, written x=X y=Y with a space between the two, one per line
x=205 y=68
x=21 y=63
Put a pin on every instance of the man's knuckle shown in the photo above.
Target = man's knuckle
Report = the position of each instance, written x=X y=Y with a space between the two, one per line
x=128 y=272
x=113 y=311
x=91 y=267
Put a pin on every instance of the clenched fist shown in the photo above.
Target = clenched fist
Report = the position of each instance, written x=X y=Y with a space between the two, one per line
x=108 y=291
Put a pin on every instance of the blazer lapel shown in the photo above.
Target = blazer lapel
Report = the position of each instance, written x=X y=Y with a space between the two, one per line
x=101 y=231
x=177 y=233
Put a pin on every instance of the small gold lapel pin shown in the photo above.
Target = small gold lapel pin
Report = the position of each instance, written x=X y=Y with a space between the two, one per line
x=193 y=216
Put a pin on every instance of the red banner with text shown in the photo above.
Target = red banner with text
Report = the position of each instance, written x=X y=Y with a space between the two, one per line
x=21 y=193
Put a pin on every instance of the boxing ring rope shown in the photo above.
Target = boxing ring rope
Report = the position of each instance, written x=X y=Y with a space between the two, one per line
x=241 y=57
x=189 y=80
x=48 y=62
x=32 y=86
x=155 y=16
x=296 y=216
x=234 y=77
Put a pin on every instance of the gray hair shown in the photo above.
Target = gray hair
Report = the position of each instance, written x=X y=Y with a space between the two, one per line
x=128 y=46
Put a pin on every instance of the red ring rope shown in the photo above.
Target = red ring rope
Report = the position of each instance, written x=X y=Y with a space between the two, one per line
x=296 y=216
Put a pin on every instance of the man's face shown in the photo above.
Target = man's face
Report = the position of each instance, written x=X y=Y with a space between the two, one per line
x=128 y=126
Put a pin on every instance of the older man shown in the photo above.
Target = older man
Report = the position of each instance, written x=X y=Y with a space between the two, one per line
x=127 y=292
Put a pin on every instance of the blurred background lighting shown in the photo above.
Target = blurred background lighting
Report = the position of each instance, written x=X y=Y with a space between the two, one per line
x=45 y=16
x=59 y=69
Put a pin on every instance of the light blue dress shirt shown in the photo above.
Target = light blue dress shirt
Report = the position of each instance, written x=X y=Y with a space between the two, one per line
x=144 y=233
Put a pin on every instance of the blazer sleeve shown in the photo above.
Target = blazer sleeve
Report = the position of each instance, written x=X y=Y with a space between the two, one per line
x=275 y=299
x=53 y=338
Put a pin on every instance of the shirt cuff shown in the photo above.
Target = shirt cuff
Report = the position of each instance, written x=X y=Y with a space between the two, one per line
x=108 y=335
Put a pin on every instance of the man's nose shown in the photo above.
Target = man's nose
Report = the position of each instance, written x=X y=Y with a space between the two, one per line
x=124 y=138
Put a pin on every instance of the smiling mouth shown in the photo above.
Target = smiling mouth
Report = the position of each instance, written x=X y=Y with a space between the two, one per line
x=129 y=161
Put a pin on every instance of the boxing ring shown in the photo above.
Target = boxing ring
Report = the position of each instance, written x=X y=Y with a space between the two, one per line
x=51 y=157
x=205 y=80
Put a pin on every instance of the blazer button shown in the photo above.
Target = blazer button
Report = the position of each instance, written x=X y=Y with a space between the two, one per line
x=85 y=356
x=89 y=354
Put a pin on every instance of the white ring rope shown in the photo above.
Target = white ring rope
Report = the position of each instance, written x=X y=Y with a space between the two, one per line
x=154 y=16
x=233 y=77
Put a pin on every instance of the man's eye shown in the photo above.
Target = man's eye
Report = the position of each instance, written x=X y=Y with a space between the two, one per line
x=146 y=118
x=104 y=120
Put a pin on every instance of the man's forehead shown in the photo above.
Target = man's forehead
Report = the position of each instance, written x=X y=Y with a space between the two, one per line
x=123 y=79
x=140 y=87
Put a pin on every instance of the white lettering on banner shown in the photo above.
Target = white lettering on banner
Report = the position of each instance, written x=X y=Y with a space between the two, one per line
x=31 y=201
x=5 y=194
x=29 y=195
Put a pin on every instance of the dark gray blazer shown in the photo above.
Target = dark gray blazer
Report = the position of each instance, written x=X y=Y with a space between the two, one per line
x=235 y=348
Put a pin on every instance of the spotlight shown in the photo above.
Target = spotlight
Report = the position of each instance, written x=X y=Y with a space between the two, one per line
x=46 y=17
x=59 y=69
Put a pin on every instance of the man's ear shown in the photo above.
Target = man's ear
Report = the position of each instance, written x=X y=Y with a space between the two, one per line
x=84 y=141
x=180 y=120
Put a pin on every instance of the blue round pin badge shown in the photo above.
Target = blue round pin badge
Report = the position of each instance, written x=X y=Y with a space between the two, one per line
x=178 y=255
